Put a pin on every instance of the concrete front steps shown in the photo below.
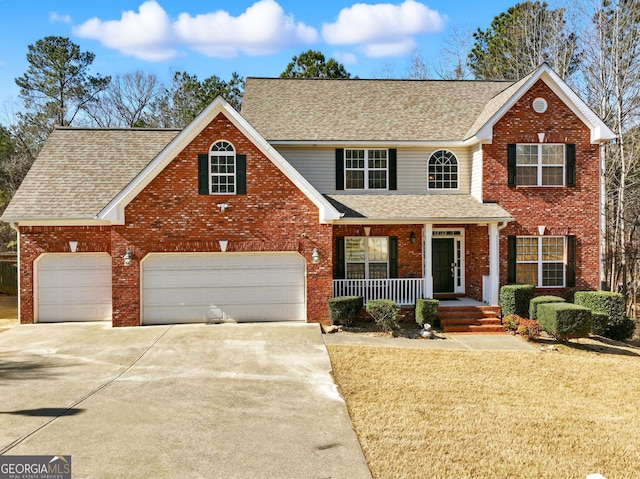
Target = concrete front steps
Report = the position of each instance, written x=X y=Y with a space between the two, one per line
x=470 y=319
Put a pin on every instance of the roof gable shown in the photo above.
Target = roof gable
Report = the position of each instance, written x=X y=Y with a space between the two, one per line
x=114 y=211
x=496 y=109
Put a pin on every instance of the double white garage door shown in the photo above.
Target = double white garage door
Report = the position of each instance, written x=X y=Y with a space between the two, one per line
x=176 y=287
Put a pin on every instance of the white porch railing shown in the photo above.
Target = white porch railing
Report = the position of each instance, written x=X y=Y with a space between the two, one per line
x=404 y=291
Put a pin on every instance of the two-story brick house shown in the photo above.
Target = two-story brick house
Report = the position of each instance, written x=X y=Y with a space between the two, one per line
x=383 y=188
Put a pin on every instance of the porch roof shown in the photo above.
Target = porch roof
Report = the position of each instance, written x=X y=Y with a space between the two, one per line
x=417 y=209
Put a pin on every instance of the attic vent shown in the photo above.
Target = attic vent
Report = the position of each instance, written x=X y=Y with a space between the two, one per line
x=539 y=105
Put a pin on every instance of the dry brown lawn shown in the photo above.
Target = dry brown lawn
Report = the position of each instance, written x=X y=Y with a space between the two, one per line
x=441 y=414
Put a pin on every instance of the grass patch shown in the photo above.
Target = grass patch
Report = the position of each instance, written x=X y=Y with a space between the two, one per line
x=484 y=414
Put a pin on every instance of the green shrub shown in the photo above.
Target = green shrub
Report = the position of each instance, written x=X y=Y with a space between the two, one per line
x=384 y=312
x=427 y=311
x=514 y=299
x=599 y=323
x=619 y=325
x=529 y=329
x=344 y=310
x=511 y=322
x=533 y=304
x=564 y=320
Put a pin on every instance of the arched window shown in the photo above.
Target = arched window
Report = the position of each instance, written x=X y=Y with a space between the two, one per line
x=443 y=171
x=222 y=168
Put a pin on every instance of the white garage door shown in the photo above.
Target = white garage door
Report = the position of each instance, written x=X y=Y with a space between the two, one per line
x=73 y=287
x=193 y=287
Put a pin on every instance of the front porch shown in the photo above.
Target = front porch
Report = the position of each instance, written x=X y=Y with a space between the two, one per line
x=457 y=314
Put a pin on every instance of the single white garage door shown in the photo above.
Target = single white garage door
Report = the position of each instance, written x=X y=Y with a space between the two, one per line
x=73 y=287
x=203 y=287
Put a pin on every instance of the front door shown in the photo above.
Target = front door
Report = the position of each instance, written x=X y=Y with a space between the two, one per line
x=443 y=261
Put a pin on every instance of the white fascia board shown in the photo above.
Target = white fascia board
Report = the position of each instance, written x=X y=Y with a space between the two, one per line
x=377 y=144
x=413 y=221
x=114 y=211
x=599 y=131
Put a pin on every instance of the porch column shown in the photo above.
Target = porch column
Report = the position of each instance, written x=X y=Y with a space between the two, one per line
x=426 y=260
x=494 y=264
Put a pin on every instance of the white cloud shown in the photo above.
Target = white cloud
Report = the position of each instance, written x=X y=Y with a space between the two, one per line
x=58 y=17
x=150 y=34
x=262 y=29
x=147 y=34
x=383 y=29
x=346 y=58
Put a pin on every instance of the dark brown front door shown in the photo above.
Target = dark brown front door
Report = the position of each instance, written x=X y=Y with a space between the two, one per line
x=442 y=260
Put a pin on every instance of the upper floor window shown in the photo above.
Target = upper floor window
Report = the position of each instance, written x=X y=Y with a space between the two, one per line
x=366 y=169
x=541 y=164
x=222 y=162
x=443 y=170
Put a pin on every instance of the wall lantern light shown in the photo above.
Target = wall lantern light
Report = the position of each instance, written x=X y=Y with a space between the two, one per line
x=412 y=238
x=127 y=258
x=223 y=245
x=315 y=256
x=73 y=246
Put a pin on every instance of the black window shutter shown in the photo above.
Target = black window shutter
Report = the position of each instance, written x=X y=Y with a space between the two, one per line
x=393 y=169
x=571 y=260
x=511 y=260
x=393 y=257
x=203 y=174
x=241 y=174
x=511 y=165
x=339 y=169
x=339 y=272
x=571 y=165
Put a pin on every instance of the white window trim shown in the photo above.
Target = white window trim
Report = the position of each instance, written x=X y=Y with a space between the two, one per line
x=366 y=255
x=366 y=169
x=540 y=262
x=539 y=165
x=213 y=153
x=457 y=172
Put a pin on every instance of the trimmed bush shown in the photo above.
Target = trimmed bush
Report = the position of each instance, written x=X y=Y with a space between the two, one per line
x=529 y=329
x=511 y=322
x=384 y=312
x=599 y=323
x=533 y=304
x=619 y=325
x=344 y=310
x=427 y=311
x=564 y=320
x=515 y=298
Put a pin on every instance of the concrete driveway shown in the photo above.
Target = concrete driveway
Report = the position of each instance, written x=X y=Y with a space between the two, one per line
x=193 y=401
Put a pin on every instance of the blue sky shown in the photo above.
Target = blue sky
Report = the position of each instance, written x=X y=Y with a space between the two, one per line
x=251 y=37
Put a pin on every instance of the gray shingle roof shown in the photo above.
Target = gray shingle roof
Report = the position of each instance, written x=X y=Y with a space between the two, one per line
x=79 y=171
x=419 y=208
x=367 y=110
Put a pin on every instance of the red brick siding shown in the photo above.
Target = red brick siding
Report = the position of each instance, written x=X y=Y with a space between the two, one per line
x=563 y=210
x=409 y=255
x=35 y=240
x=169 y=215
x=476 y=259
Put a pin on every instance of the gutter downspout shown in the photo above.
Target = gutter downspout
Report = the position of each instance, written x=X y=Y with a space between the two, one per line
x=14 y=226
